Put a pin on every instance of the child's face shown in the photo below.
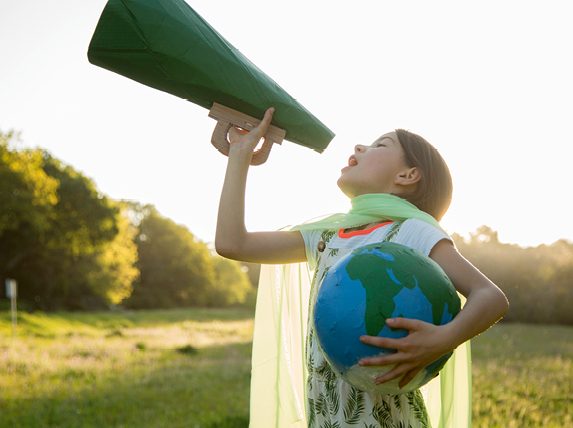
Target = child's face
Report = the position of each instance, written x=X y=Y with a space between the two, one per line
x=375 y=168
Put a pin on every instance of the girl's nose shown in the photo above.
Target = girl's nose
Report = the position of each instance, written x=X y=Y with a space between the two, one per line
x=359 y=148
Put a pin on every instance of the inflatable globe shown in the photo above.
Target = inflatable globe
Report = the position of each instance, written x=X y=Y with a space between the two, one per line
x=364 y=288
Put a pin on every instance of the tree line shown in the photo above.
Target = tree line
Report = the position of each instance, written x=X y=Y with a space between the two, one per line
x=72 y=248
x=538 y=281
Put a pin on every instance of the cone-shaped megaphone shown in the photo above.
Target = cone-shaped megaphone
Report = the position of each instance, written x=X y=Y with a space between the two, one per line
x=165 y=44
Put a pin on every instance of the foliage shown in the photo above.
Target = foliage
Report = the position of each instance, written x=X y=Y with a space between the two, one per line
x=28 y=195
x=69 y=246
x=55 y=278
x=111 y=269
x=231 y=285
x=177 y=269
x=64 y=242
x=27 y=191
x=538 y=282
x=253 y=272
x=83 y=219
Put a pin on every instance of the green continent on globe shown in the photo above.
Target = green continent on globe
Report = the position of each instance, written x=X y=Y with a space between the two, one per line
x=368 y=269
x=384 y=278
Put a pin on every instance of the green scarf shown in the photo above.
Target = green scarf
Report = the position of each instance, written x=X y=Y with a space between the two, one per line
x=371 y=208
x=279 y=373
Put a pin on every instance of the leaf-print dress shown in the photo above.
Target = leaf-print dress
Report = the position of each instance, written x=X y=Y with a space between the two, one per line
x=331 y=402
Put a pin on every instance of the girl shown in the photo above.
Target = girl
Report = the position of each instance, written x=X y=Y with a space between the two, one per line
x=400 y=188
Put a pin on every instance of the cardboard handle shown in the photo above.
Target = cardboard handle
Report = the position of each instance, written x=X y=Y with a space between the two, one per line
x=227 y=117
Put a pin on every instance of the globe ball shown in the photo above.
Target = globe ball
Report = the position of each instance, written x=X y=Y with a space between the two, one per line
x=364 y=288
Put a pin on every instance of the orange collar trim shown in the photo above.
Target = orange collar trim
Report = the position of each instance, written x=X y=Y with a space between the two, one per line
x=345 y=235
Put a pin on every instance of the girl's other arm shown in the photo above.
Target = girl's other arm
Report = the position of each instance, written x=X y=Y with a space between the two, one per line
x=232 y=240
x=426 y=342
x=485 y=303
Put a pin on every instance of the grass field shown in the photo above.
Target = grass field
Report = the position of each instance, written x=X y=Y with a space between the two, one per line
x=523 y=377
x=190 y=368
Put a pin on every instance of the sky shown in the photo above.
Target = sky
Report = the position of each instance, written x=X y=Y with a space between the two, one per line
x=488 y=83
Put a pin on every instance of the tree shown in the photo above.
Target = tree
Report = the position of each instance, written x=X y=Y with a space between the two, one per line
x=28 y=196
x=538 y=282
x=175 y=267
x=231 y=285
x=59 y=237
x=83 y=219
x=485 y=234
x=110 y=271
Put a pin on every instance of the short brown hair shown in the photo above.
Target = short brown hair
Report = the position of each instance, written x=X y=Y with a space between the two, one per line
x=434 y=192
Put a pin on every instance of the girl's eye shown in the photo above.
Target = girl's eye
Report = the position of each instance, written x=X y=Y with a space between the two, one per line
x=381 y=145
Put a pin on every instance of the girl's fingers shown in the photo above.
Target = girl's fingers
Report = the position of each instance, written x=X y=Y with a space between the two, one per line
x=413 y=352
x=399 y=371
x=385 y=360
x=381 y=342
x=266 y=120
x=259 y=131
x=237 y=135
x=405 y=323
x=408 y=377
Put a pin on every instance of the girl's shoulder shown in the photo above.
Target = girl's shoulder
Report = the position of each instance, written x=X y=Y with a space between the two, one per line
x=419 y=235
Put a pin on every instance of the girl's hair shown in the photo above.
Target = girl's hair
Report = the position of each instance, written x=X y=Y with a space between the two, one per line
x=434 y=192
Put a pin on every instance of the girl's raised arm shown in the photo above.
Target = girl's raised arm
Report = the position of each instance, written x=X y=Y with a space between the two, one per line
x=232 y=240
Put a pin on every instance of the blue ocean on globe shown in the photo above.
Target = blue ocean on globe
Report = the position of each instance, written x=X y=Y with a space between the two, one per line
x=361 y=291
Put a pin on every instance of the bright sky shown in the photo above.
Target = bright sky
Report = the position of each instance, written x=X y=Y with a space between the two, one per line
x=489 y=83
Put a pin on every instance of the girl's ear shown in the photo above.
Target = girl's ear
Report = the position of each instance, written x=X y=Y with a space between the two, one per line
x=408 y=177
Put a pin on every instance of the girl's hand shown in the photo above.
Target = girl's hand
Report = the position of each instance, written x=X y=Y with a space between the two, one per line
x=424 y=344
x=232 y=239
x=241 y=140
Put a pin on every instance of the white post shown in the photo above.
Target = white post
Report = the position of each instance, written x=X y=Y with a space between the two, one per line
x=12 y=293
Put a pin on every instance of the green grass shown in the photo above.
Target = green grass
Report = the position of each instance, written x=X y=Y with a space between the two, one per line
x=523 y=377
x=191 y=368
x=180 y=368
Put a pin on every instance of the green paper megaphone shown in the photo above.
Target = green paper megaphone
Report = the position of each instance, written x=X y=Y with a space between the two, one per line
x=166 y=45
